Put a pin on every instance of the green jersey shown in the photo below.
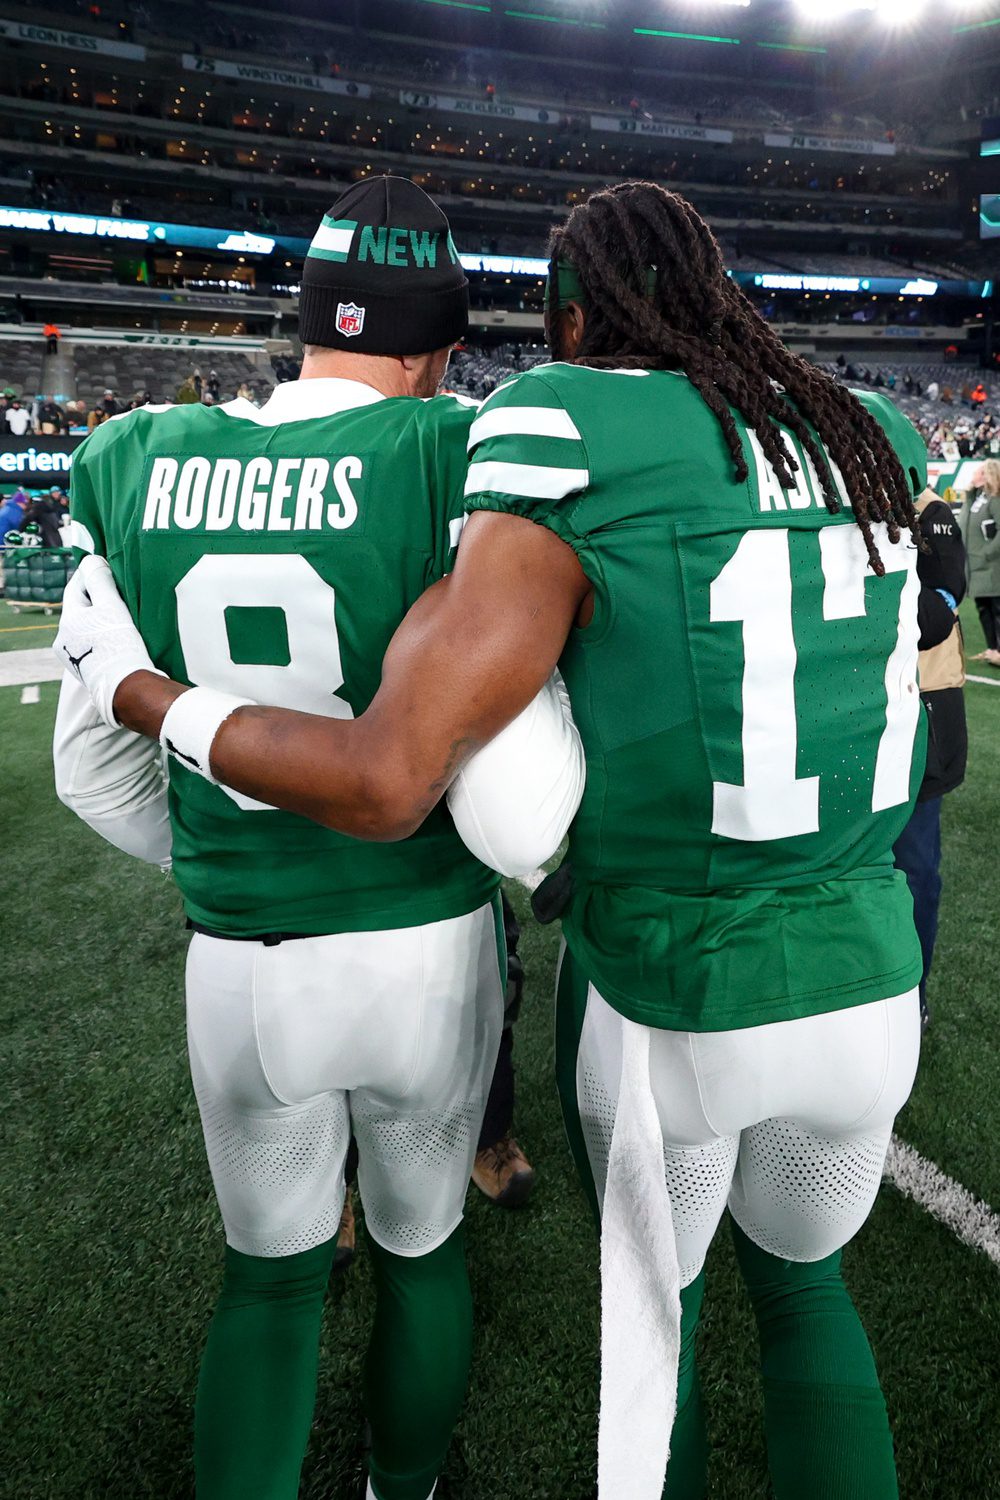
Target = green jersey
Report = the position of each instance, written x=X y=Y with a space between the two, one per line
x=272 y=554
x=746 y=695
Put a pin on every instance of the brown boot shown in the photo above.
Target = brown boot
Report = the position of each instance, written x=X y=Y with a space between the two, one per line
x=344 y=1253
x=504 y=1173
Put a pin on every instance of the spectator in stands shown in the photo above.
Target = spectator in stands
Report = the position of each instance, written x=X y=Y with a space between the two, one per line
x=186 y=392
x=47 y=515
x=196 y=381
x=908 y=383
x=12 y=513
x=979 y=523
x=213 y=385
x=948 y=395
x=933 y=391
x=51 y=335
x=18 y=418
x=978 y=396
x=51 y=417
x=245 y=393
x=942 y=573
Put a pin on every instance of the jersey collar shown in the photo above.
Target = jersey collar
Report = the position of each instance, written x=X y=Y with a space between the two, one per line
x=302 y=400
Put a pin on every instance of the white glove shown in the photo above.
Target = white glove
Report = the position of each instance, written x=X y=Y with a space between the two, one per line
x=97 y=640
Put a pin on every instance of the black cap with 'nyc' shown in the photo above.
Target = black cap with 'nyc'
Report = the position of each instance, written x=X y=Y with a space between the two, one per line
x=382 y=275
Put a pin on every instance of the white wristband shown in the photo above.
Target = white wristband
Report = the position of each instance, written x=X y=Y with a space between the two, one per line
x=191 y=723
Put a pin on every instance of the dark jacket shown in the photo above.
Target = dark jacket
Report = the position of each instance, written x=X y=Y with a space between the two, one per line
x=942 y=566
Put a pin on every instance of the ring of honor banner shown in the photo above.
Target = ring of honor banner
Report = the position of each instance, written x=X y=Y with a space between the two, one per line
x=846 y=145
x=663 y=129
x=285 y=78
x=488 y=109
x=71 y=41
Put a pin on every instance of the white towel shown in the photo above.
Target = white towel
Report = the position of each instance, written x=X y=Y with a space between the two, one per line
x=640 y=1293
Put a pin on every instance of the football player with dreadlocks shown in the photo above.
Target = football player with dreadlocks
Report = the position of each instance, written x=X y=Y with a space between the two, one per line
x=716 y=543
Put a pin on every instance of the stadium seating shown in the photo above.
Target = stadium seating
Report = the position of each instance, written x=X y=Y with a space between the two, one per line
x=21 y=365
x=130 y=370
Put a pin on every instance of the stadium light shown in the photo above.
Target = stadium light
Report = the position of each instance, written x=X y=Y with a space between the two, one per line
x=900 y=12
x=831 y=10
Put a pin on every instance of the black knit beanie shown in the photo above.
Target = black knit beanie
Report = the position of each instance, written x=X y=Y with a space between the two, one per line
x=382 y=275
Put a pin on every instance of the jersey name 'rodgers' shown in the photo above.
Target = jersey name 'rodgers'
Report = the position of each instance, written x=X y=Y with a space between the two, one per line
x=272 y=553
x=253 y=494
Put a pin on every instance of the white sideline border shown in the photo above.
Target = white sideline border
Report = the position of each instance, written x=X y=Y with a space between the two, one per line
x=970 y=1219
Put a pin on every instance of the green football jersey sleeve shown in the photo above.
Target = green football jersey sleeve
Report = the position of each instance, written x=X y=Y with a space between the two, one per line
x=275 y=559
x=746 y=694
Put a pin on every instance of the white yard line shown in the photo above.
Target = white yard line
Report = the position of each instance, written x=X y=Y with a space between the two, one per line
x=20 y=667
x=969 y=1218
x=31 y=693
x=986 y=681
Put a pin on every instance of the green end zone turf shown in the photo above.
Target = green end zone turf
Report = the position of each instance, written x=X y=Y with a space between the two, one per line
x=112 y=1249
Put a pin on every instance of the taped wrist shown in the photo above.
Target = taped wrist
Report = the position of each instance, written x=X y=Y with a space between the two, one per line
x=191 y=723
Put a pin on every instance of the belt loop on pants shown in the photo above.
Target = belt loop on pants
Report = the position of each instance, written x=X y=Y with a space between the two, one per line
x=640 y=1293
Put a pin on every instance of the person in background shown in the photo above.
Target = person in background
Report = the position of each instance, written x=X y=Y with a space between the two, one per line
x=933 y=391
x=47 y=514
x=501 y=1170
x=51 y=417
x=942 y=573
x=12 y=513
x=213 y=385
x=979 y=524
x=18 y=418
x=186 y=393
x=51 y=335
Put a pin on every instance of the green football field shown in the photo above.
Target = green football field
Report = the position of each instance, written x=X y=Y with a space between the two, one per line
x=111 y=1250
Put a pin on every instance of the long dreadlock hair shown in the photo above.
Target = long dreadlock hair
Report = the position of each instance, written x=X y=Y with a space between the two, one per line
x=696 y=319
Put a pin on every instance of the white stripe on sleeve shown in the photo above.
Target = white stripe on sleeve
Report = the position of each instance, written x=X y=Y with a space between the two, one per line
x=533 y=481
x=522 y=421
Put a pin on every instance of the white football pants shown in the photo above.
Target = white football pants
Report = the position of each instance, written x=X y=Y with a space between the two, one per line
x=393 y=1035
x=787 y=1123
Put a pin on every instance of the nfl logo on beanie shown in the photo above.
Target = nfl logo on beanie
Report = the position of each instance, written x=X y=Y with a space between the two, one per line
x=350 y=319
x=382 y=275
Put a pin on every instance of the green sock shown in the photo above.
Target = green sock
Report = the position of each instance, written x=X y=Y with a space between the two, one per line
x=417 y=1368
x=687 y=1469
x=257 y=1387
x=828 y=1434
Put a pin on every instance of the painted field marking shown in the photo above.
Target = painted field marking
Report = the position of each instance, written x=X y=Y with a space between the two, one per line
x=31 y=693
x=986 y=681
x=970 y=1219
x=20 y=667
x=12 y=629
